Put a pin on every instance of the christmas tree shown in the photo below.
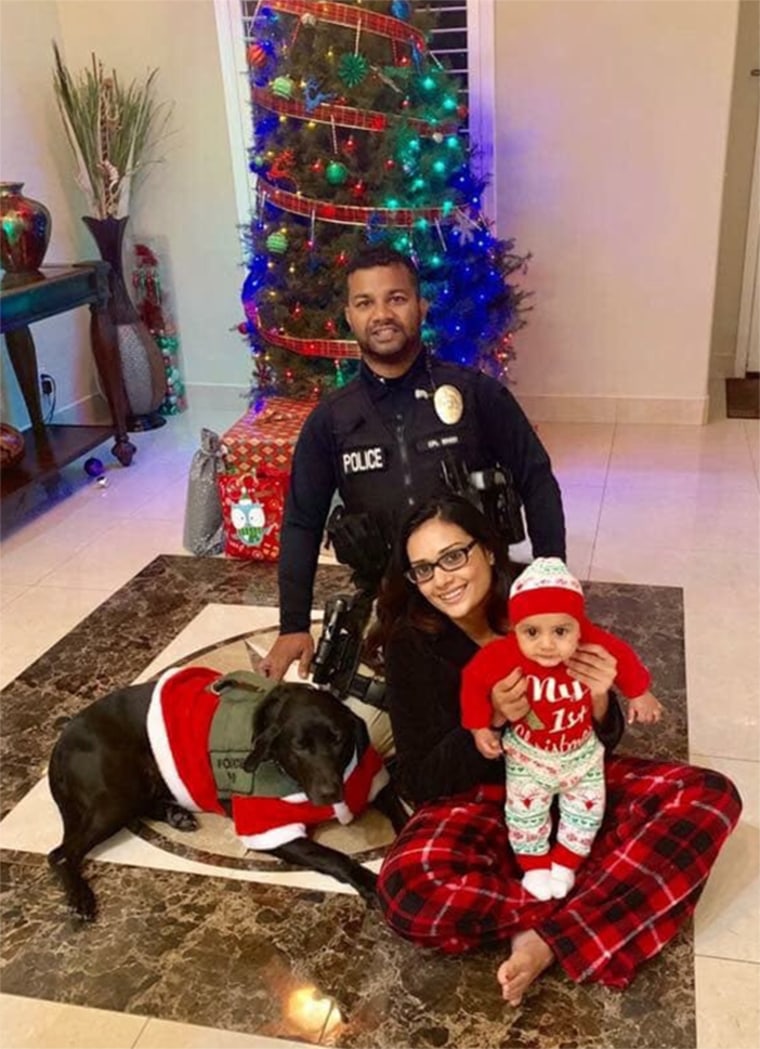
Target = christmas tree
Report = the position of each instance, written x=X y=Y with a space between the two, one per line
x=358 y=140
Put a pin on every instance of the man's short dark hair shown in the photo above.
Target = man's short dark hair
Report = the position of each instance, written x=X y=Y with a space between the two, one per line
x=381 y=255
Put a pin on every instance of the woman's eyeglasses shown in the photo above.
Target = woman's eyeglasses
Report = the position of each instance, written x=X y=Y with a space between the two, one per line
x=457 y=557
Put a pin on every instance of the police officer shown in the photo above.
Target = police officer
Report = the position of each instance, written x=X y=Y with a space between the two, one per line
x=380 y=441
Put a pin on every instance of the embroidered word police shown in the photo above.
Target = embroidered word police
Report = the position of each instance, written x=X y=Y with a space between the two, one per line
x=364 y=460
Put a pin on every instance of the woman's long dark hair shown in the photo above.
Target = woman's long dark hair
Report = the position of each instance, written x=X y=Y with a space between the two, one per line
x=400 y=603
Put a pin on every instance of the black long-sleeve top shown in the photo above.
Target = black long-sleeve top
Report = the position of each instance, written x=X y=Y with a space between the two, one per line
x=436 y=757
x=314 y=480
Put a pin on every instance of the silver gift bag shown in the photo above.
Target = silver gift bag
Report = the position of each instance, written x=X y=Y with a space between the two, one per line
x=203 y=511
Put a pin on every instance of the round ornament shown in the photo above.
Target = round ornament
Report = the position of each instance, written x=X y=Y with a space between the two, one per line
x=277 y=242
x=94 y=468
x=336 y=173
x=257 y=56
x=282 y=87
x=448 y=404
x=308 y=20
x=352 y=69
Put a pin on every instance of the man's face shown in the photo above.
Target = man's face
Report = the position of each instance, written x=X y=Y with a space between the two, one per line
x=385 y=315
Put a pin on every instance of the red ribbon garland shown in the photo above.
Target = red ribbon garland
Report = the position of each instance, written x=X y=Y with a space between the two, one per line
x=346 y=214
x=346 y=349
x=350 y=17
x=343 y=116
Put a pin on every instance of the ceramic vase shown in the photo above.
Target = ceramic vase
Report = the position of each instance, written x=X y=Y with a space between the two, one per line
x=141 y=360
x=25 y=226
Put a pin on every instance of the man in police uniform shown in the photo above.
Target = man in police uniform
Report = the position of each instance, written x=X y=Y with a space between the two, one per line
x=380 y=441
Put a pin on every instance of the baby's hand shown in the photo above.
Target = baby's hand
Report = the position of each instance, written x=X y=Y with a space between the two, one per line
x=487 y=741
x=645 y=708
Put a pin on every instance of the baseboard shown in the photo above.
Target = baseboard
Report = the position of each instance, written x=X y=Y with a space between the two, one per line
x=680 y=411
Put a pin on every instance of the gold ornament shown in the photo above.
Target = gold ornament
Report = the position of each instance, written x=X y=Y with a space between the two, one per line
x=448 y=404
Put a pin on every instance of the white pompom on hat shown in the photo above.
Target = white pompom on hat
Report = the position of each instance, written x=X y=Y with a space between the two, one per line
x=546 y=587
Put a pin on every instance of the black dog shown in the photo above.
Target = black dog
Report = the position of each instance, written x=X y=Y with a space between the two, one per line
x=103 y=776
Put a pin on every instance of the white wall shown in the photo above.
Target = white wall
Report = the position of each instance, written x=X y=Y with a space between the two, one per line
x=186 y=200
x=610 y=141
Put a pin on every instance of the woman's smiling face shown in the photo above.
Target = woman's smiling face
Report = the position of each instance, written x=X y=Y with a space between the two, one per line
x=458 y=593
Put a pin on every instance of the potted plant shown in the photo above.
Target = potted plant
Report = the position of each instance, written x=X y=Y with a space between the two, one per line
x=112 y=129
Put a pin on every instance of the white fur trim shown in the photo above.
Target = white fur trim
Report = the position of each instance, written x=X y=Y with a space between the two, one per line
x=343 y=813
x=162 y=751
x=380 y=780
x=270 y=839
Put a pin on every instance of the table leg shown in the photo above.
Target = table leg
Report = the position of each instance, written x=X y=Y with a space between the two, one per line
x=105 y=349
x=24 y=360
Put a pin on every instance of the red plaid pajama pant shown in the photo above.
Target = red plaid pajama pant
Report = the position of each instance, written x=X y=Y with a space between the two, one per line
x=450 y=880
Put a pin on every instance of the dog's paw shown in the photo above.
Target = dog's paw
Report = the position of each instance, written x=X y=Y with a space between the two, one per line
x=83 y=905
x=180 y=818
x=366 y=885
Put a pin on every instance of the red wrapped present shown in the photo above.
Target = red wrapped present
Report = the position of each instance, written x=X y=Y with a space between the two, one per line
x=252 y=509
x=266 y=437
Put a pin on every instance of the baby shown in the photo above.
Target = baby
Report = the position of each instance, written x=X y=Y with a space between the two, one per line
x=553 y=749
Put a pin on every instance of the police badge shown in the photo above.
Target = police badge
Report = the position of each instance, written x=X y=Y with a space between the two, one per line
x=448 y=404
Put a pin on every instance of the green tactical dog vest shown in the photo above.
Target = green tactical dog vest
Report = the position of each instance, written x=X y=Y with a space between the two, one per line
x=231 y=739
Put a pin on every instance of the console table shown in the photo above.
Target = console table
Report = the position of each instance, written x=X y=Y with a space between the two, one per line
x=29 y=297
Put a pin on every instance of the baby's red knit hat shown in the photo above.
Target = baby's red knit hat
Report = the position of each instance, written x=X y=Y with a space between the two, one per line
x=546 y=587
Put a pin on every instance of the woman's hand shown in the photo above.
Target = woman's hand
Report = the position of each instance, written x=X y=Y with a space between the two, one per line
x=595 y=668
x=509 y=697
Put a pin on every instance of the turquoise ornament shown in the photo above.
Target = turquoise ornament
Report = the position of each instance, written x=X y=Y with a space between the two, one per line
x=336 y=173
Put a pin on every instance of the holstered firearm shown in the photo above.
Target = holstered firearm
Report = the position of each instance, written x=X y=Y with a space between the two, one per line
x=336 y=661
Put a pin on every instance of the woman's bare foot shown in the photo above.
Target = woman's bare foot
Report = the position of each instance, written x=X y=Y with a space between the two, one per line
x=530 y=956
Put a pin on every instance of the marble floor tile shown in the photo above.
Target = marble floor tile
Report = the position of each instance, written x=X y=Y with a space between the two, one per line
x=664 y=451
x=160 y=1034
x=580 y=452
x=118 y=552
x=726 y=922
x=29 y=1023
x=728 y=1009
x=660 y=520
x=38 y=617
x=9 y=592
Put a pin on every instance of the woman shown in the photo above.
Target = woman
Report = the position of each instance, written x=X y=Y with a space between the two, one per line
x=450 y=880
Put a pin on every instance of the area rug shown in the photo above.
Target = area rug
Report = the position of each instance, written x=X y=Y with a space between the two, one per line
x=193 y=931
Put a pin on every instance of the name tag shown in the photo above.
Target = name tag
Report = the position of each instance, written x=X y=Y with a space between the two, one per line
x=432 y=444
x=364 y=460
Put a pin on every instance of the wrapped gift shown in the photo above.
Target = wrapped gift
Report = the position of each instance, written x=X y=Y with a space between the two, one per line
x=257 y=454
x=266 y=437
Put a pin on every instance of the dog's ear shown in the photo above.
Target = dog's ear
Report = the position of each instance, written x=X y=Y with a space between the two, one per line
x=266 y=728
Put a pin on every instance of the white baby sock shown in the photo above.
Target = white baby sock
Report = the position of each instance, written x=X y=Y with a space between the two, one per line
x=538 y=883
x=562 y=880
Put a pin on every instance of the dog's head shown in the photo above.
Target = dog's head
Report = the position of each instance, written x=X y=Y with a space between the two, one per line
x=310 y=734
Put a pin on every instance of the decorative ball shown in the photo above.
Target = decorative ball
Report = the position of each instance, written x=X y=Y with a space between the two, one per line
x=352 y=69
x=94 y=468
x=309 y=20
x=336 y=173
x=257 y=56
x=282 y=87
x=277 y=242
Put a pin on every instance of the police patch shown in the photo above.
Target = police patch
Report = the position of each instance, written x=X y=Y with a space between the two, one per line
x=364 y=460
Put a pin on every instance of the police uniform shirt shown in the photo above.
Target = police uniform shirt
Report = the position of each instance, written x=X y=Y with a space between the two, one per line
x=503 y=430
